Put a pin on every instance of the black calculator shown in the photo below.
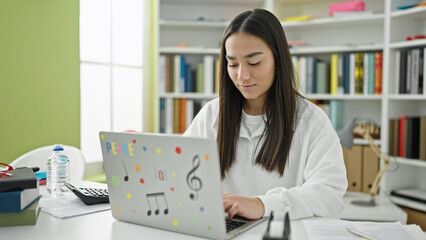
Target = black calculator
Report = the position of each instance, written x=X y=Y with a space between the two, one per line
x=89 y=196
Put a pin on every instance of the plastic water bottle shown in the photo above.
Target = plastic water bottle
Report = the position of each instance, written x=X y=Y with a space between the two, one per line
x=58 y=171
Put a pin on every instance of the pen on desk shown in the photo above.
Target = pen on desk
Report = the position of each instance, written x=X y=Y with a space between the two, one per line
x=361 y=234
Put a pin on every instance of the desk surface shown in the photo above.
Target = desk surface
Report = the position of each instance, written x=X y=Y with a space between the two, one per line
x=102 y=225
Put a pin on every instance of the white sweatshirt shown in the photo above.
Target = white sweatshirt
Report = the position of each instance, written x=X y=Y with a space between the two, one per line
x=314 y=179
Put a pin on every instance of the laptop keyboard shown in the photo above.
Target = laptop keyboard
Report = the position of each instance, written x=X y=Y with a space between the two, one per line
x=233 y=224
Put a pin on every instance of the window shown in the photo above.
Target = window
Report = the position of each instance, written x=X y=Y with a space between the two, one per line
x=111 y=70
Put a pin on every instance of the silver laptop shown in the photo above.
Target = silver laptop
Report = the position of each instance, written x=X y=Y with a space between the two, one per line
x=167 y=182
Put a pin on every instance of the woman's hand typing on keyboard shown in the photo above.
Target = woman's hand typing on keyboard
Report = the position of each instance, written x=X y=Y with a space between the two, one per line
x=251 y=208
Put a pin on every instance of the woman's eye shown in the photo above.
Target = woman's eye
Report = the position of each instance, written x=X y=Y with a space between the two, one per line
x=254 y=64
x=232 y=65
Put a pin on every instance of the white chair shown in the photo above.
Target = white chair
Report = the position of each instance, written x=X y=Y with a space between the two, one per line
x=38 y=158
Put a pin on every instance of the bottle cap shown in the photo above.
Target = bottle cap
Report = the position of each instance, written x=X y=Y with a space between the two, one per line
x=58 y=147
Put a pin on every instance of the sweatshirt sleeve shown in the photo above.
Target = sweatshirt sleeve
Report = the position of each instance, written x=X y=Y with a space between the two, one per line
x=324 y=177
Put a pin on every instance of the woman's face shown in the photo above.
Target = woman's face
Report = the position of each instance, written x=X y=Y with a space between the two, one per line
x=251 y=65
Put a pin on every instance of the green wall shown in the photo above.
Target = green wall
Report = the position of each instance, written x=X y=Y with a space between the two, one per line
x=39 y=75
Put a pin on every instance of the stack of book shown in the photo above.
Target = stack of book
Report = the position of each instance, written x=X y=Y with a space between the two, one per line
x=345 y=73
x=180 y=74
x=19 y=198
x=409 y=71
x=177 y=114
x=407 y=137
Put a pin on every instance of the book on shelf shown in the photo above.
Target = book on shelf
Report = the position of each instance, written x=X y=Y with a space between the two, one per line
x=340 y=80
x=348 y=73
x=366 y=76
x=28 y=216
x=410 y=67
x=393 y=136
x=169 y=115
x=303 y=62
x=322 y=74
x=407 y=138
x=17 y=200
x=334 y=73
x=378 y=72
x=177 y=74
x=413 y=137
x=422 y=141
x=182 y=115
x=21 y=178
x=359 y=73
x=162 y=115
x=176 y=117
x=309 y=74
x=208 y=73
x=352 y=73
x=176 y=114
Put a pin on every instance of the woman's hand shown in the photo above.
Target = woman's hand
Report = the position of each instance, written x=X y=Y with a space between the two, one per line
x=251 y=208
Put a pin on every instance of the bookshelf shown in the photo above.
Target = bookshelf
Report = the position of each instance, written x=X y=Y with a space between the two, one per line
x=382 y=31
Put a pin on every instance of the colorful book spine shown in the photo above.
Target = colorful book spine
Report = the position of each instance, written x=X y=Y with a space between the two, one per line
x=402 y=132
x=346 y=73
x=208 y=73
x=334 y=73
x=176 y=108
x=322 y=77
x=359 y=72
x=182 y=115
x=378 y=72
x=371 y=73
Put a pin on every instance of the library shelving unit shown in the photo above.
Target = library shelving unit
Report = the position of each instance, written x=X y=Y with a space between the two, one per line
x=199 y=24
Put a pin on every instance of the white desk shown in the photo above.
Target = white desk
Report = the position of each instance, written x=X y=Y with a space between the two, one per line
x=385 y=211
x=102 y=225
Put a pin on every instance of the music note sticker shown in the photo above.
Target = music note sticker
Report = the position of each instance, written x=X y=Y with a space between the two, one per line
x=192 y=180
x=155 y=196
x=126 y=177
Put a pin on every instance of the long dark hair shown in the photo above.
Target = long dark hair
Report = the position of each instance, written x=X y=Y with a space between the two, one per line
x=280 y=103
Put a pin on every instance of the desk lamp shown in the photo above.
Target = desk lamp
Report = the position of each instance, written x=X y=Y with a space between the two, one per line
x=363 y=127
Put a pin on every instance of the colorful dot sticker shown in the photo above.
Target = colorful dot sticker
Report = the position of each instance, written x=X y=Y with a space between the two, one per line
x=159 y=150
x=102 y=136
x=209 y=228
x=202 y=209
x=129 y=196
x=137 y=168
x=144 y=148
x=141 y=180
x=175 y=222
x=178 y=150
x=174 y=174
x=134 y=211
x=194 y=218
x=206 y=157
x=117 y=210
x=115 y=180
x=179 y=204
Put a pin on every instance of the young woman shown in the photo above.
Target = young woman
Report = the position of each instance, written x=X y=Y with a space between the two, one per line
x=278 y=151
